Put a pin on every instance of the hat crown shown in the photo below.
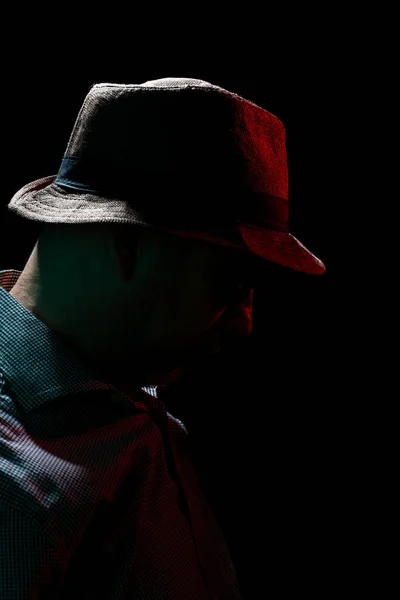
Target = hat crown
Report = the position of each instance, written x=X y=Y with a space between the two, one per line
x=180 y=138
x=180 y=82
x=166 y=82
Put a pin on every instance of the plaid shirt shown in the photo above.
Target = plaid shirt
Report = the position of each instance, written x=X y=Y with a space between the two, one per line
x=98 y=495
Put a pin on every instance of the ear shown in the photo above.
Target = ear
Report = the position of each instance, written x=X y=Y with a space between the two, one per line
x=125 y=242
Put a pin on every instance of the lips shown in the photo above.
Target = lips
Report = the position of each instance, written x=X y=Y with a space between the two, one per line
x=213 y=347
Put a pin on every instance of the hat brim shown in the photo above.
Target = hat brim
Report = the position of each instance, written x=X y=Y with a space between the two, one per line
x=282 y=248
x=275 y=246
x=278 y=247
x=39 y=200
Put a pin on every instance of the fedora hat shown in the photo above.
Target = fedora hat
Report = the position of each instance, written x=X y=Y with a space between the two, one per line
x=180 y=155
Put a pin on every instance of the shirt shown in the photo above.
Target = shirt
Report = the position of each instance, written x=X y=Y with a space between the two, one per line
x=99 y=498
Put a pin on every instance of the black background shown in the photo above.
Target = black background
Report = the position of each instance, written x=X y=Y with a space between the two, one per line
x=270 y=421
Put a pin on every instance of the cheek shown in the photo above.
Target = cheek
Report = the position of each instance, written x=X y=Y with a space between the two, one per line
x=193 y=307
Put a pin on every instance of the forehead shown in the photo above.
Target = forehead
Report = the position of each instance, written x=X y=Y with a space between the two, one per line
x=203 y=253
x=218 y=251
x=226 y=262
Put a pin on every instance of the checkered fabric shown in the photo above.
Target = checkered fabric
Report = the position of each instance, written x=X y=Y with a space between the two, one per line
x=98 y=495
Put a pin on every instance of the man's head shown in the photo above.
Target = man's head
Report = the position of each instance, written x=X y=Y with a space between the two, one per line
x=135 y=303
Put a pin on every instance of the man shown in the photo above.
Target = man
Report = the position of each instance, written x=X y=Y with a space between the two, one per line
x=169 y=196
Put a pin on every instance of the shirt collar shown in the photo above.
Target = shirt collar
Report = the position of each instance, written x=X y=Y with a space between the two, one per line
x=36 y=363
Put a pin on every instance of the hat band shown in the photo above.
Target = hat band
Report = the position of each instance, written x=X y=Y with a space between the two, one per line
x=100 y=178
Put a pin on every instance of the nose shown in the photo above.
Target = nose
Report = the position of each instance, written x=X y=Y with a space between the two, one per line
x=237 y=320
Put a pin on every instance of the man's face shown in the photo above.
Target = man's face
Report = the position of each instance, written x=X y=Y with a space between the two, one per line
x=186 y=298
x=138 y=312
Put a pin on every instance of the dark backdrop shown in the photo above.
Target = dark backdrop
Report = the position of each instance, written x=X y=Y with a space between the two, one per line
x=268 y=419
